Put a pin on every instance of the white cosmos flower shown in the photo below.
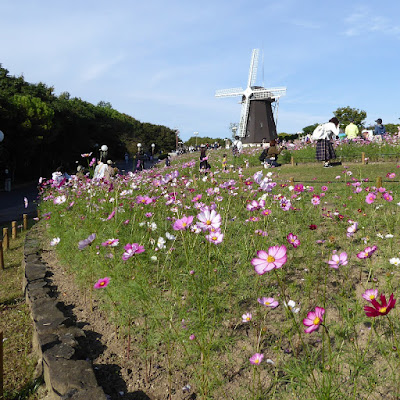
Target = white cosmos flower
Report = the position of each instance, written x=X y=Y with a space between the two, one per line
x=169 y=236
x=161 y=243
x=395 y=261
x=55 y=241
x=292 y=306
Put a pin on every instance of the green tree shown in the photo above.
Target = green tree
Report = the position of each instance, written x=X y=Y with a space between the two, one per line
x=308 y=130
x=345 y=114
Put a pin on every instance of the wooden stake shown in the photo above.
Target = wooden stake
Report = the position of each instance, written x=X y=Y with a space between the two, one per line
x=1 y=255
x=14 y=229
x=6 y=239
x=38 y=213
x=25 y=219
x=291 y=180
x=1 y=365
x=363 y=158
x=379 y=182
x=292 y=161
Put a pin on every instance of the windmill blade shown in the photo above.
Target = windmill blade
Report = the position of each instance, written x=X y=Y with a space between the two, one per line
x=243 y=117
x=229 y=92
x=253 y=68
x=273 y=93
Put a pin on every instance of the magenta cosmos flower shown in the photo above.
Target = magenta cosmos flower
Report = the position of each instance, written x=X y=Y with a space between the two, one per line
x=380 y=309
x=314 y=320
x=268 y=302
x=131 y=250
x=267 y=261
x=209 y=219
x=293 y=240
x=183 y=223
x=370 y=294
x=337 y=260
x=102 y=283
x=367 y=252
x=256 y=358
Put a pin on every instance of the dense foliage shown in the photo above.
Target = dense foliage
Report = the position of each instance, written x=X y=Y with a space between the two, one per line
x=43 y=130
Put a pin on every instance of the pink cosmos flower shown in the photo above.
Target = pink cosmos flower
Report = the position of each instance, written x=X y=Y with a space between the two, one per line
x=111 y=215
x=315 y=200
x=370 y=294
x=268 y=302
x=26 y=202
x=131 y=250
x=314 y=320
x=92 y=162
x=275 y=258
x=299 y=188
x=370 y=198
x=337 y=260
x=215 y=237
x=183 y=223
x=367 y=252
x=209 y=219
x=110 y=243
x=85 y=155
x=391 y=175
x=144 y=200
x=324 y=188
x=387 y=196
x=293 y=240
x=266 y=212
x=102 y=283
x=246 y=317
x=256 y=358
x=351 y=230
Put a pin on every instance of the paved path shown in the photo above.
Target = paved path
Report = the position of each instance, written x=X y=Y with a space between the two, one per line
x=12 y=205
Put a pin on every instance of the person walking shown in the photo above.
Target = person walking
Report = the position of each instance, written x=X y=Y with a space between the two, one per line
x=324 y=149
x=224 y=162
x=351 y=130
x=379 y=130
x=203 y=158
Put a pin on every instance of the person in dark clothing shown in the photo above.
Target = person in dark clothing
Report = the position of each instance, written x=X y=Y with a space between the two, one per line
x=379 y=130
x=272 y=154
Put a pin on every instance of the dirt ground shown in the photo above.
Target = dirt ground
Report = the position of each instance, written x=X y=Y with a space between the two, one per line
x=120 y=377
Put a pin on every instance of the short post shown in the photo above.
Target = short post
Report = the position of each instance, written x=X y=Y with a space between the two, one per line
x=1 y=365
x=38 y=213
x=363 y=158
x=291 y=180
x=6 y=239
x=1 y=255
x=25 y=219
x=379 y=182
x=14 y=229
x=292 y=161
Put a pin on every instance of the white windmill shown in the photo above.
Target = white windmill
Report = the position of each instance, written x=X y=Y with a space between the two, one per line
x=256 y=118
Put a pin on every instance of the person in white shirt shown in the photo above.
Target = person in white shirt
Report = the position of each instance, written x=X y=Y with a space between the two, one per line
x=324 y=149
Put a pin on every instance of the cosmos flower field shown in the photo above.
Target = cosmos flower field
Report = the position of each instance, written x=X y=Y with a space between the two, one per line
x=248 y=284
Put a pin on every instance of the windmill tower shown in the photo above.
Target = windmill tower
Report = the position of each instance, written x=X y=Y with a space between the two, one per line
x=256 y=118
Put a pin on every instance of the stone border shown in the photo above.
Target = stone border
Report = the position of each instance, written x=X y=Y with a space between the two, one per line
x=66 y=374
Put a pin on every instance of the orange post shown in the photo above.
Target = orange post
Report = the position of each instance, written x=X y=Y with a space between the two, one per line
x=6 y=239
x=1 y=255
x=14 y=229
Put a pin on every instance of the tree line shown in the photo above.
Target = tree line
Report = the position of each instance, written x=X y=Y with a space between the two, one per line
x=43 y=131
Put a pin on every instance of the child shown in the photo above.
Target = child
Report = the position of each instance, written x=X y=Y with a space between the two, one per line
x=224 y=162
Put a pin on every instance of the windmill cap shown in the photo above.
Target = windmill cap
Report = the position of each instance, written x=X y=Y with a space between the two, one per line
x=379 y=121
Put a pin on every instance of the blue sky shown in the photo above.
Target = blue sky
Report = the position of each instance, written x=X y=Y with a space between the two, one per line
x=161 y=61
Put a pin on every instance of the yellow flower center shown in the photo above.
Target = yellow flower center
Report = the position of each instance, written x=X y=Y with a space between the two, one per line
x=316 y=321
x=208 y=222
x=371 y=296
x=382 y=310
x=256 y=361
x=270 y=259
x=214 y=238
x=102 y=283
x=267 y=303
x=184 y=224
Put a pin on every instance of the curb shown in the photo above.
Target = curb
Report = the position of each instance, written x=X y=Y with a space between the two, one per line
x=66 y=374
